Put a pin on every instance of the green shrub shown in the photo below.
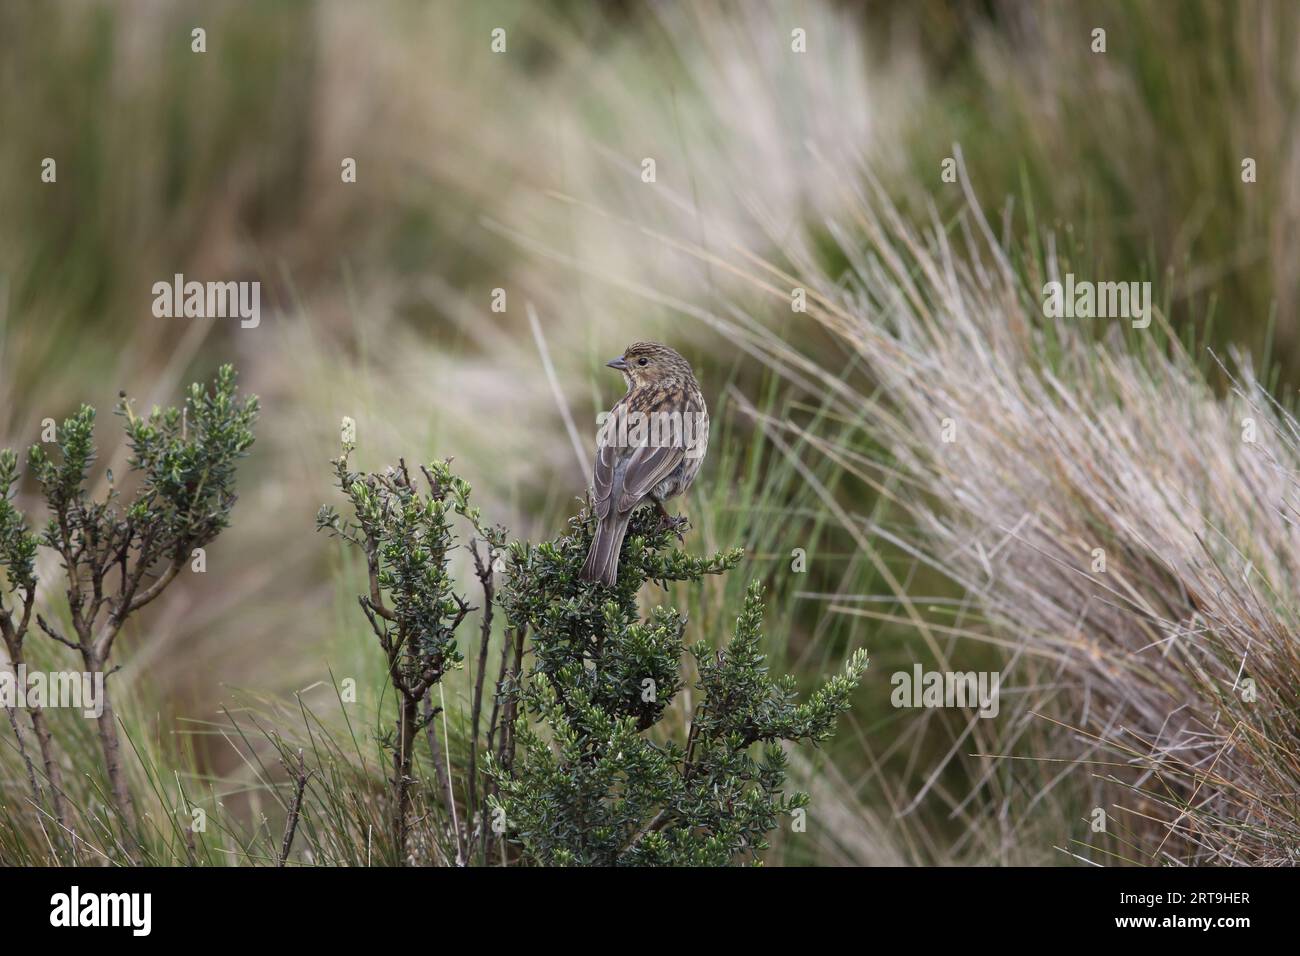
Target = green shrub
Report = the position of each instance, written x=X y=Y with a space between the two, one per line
x=116 y=558
x=597 y=781
x=578 y=763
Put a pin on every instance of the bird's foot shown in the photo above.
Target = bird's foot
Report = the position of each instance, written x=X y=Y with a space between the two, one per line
x=678 y=525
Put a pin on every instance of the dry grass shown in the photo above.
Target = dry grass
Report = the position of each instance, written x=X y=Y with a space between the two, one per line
x=1071 y=437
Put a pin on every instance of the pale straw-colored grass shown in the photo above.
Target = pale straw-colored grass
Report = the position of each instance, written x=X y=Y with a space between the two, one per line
x=1071 y=439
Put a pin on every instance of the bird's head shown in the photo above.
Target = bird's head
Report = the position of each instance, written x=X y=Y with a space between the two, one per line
x=644 y=363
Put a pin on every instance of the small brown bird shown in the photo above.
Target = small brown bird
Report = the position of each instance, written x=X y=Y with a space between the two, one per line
x=650 y=448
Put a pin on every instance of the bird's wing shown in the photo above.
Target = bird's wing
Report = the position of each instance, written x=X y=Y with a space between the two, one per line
x=605 y=474
x=647 y=467
x=603 y=478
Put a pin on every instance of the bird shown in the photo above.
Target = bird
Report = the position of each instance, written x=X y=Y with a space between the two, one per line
x=649 y=449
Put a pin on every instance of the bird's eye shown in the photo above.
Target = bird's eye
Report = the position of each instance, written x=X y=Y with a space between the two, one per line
x=643 y=361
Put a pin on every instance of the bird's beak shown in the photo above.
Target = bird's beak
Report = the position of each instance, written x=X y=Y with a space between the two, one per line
x=618 y=363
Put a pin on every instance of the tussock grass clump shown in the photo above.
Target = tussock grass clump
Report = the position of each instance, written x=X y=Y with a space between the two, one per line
x=1126 y=535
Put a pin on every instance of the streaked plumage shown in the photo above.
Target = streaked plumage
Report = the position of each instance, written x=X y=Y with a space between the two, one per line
x=630 y=473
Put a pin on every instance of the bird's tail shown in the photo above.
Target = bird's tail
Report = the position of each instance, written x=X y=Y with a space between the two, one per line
x=602 y=560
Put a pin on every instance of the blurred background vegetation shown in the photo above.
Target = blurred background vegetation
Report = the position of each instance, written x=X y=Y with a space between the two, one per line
x=521 y=171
